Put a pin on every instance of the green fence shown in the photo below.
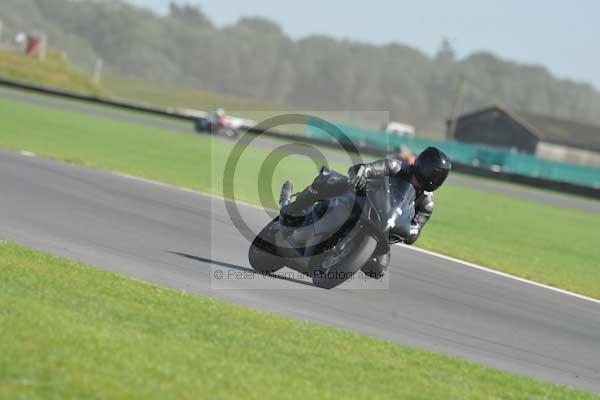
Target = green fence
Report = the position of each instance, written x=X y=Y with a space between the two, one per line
x=481 y=156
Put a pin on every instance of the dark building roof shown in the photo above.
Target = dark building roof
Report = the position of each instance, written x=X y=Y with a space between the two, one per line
x=550 y=129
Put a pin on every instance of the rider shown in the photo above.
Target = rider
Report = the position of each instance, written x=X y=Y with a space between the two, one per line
x=219 y=120
x=426 y=174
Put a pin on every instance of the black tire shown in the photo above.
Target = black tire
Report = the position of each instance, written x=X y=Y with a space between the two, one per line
x=363 y=246
x=202 y=125
x=262 y=255
x=230 y=133
x=376 y=267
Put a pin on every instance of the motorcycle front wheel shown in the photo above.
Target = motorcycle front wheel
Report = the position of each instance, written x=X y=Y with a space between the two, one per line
x=341 y=262
x=262 y=255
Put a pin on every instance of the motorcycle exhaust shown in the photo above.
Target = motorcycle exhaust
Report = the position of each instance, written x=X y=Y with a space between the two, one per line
x=286 y=194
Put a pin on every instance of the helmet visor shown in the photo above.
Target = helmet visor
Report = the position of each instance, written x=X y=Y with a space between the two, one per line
x=434 y=179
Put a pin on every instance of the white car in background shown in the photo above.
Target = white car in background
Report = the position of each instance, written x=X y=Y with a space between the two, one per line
x=399 y=128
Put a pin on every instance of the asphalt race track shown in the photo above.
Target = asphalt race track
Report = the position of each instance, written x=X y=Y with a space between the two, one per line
x=269 y=143
x=180 y=239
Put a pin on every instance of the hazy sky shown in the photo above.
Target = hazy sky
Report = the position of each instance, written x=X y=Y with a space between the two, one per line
x=562 y=35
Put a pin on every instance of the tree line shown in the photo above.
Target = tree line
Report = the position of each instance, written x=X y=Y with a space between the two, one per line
x=255 y=58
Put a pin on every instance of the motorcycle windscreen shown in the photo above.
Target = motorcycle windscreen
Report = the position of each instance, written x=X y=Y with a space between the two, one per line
x=402 y=209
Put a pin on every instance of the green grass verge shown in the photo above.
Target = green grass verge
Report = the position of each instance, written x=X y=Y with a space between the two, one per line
x=53 y=71
x=163 y=94
x=549 y=244
x=73 y=331
x=170 y=95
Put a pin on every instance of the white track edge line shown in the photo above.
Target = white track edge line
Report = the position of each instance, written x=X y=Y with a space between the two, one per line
x=428 y=252
x=424 y=251
x=499 y=273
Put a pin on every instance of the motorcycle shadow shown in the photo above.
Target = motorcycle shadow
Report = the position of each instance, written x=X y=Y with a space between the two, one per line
x=239 y=268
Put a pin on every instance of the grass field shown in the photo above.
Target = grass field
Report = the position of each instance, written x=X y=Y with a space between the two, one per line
x=57 y=72
x=553 y=245
x=163 y=94
x=170 y=95
x=73 y=331
x=54 y=71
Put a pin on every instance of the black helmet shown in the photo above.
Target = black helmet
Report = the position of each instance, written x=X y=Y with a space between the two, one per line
x=431 y=168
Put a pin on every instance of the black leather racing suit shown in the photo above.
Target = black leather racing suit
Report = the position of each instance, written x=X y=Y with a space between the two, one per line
x=423 y=206
x=393 y=167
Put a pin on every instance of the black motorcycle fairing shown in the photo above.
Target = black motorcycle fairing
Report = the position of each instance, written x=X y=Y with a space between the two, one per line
x=403 y=199
x=327 y=222
x=385 y=210
x=392 y=200
x=383 y=245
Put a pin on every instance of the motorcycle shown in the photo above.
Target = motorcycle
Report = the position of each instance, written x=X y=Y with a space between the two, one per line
x=226 y=128
x=340 y=234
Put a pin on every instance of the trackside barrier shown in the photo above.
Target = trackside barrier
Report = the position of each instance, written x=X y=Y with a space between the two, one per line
x=119 y=103
x=468 y=154
x=376 y=145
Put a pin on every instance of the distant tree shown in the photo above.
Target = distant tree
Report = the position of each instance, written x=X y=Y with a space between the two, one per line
x=260 y=25
x=189 y=14
x=446 y=53
x=254 y=57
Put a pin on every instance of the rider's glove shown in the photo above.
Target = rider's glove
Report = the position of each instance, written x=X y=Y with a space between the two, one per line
x=358 y=178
